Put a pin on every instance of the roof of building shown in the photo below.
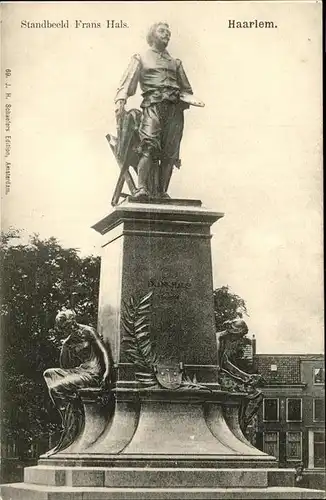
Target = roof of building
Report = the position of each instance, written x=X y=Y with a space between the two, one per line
x=303 y=357
x=283 y=368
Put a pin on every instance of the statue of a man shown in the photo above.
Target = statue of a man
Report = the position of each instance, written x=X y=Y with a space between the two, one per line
x=162 y=80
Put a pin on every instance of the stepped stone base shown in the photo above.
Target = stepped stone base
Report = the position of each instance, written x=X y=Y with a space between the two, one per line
x=174 y=483
x=128 y=477
x=40 y=492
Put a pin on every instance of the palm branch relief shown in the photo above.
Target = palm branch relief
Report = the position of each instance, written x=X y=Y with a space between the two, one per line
x=140 y=347
x=136 y=323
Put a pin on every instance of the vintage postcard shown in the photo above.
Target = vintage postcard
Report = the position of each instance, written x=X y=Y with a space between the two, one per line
x=196 y=112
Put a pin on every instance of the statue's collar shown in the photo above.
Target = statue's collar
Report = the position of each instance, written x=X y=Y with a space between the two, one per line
x=163 y=53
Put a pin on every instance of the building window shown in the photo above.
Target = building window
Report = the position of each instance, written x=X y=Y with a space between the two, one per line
x=270 y=410
x=273 y=368
x=319 y=410
x=270 y=445
x=319 y=449
x=319 y=375
x=293 y=446
x=294 y=410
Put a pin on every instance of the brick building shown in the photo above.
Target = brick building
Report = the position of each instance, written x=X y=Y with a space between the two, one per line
x=291 y=421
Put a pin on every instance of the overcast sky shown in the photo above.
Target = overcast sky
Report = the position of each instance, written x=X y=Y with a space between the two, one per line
x=254 y=151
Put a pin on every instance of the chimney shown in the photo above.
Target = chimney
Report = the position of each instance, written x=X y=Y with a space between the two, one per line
x=253 y=344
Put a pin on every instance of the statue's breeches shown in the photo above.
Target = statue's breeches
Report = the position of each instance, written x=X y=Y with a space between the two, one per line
x=161 y=130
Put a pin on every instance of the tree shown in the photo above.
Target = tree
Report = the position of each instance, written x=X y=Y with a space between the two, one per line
x=227 y=306
x=38 y=279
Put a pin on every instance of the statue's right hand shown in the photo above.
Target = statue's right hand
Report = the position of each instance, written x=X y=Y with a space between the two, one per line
x=120 y=109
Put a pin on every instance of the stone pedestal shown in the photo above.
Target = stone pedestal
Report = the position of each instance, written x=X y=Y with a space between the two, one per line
x=166 y=249
x=179 y=438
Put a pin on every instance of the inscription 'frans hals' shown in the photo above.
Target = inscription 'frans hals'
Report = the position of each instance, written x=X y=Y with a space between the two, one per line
x=169 y=284
x=169 y=289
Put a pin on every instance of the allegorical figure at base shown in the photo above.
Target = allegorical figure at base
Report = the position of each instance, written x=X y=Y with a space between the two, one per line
x=231 y=376
x=84 y=362
x=166 y=93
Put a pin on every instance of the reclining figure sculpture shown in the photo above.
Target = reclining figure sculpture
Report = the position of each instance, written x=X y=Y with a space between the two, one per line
x=234 y=330
x=84 y=363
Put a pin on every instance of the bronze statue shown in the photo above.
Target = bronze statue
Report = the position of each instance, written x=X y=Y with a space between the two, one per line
x=166 y=93
x=84 y=362
x=234 y=330
x=231 y=376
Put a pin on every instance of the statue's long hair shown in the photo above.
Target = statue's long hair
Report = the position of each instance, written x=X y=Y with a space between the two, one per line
x=150 y=35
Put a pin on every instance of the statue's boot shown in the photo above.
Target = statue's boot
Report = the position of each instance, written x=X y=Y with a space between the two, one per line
x=165 y=196
x=141 y=193
x=166 y=173
x=143 y=168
